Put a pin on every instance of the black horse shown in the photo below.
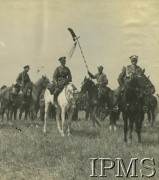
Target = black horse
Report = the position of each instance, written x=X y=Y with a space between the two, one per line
x=7 y=99
x=132 y=103
x=151 y=102
x=29 y=101
x=94 y=103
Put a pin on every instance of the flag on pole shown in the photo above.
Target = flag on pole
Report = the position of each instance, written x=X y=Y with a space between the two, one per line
x=70 y=54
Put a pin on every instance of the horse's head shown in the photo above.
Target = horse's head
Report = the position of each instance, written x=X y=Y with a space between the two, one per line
x=42 y=82
x=2 y=88
x=87 y=85
x=71 y=92
x=145 y=84
x=15 y=88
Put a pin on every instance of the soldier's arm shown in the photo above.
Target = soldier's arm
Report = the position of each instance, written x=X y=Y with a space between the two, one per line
x=19 y=79
x=29 y=78
x=91 y=75
x=69 y=75
x=105 y=80
x=55 y=75
x=121 y=77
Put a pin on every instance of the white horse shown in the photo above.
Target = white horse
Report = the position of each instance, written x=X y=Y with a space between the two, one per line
x=65 y=105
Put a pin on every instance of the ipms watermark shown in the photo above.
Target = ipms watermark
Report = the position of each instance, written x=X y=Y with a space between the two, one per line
x=144 y=168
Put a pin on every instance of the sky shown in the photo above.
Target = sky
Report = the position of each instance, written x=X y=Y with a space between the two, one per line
x=34 y=32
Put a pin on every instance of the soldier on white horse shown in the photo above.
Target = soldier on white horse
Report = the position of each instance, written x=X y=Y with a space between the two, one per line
x=62 y=96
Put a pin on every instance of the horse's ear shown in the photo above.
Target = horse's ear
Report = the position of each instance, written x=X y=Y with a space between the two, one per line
x=143 y=71
x=44 y=76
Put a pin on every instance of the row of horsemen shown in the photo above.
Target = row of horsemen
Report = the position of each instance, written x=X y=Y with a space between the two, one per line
x=62 y=77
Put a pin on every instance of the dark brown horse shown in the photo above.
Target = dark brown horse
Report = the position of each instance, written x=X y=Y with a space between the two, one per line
x=94 y=103
x=29 y=102
x=151 y=103
x=7 y=98
x=132 y=103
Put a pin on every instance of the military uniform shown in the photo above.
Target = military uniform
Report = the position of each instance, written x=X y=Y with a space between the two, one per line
x=102 y=82
x=61 y=77
x=127 y=73
x=23 y=79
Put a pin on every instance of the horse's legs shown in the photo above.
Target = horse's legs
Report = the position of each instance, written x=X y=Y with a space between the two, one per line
x=131 y=123
x=93 y=116
x=46 y=116
x=42 y=112
x=138 y=123
x=125 y=119
x=7 y=112
x=21 y=112
x=111 y=121
x=58 y=112
x=87 y=114
x=153 y=117
x=70 y=115
x=149 y=115
x=11 y=113
x=26 y=113
x=115 y=115
x=63 y=112
x=15 y=113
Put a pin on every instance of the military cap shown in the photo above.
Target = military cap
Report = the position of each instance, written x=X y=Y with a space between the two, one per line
x=27 y=66
x=133 y=57
x=62 y=58
x=100 y=67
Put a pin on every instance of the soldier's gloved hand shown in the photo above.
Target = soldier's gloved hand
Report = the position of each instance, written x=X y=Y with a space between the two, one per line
x=89 y=73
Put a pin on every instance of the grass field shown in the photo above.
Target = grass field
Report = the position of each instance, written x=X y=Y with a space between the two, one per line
x=27 y=153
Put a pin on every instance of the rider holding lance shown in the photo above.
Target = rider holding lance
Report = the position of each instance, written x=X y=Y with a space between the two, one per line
x=102 y=81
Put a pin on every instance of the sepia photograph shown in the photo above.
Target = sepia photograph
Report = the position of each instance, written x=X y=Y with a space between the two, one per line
x=79 y=89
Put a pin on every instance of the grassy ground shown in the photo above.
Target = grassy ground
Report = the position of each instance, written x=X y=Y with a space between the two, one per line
x=26 y=153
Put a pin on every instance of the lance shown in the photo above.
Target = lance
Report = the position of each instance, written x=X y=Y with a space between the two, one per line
x=75 y=39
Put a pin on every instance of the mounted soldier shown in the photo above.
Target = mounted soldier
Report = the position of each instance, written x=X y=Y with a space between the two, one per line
x=127 y=73
x=102 y=81
x=61 y=77
x=23 y=78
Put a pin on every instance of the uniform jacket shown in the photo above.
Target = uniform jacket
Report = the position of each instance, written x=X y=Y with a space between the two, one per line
x=127 y=73
x=101 y=78
x=62 y=75
x=23 y=78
